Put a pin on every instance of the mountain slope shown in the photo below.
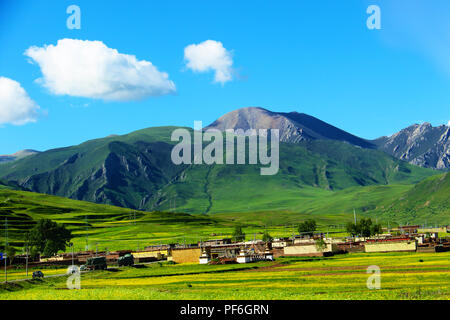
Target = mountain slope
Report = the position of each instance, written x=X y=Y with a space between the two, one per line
x=422 y=145
x=428 y=199
x=18 y=155
x=310 y=169
x=293 y=126
x=115 y=227
x=120 y=170
x=136 y=171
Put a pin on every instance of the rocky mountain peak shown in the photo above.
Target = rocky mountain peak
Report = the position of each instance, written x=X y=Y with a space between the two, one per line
x=18 y=155
x=420 y=144
x=293 y=126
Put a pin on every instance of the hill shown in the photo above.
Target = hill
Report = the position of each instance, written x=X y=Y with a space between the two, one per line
x=293 y=126
x=18 y=155
x=107 y=226
x=419 y=144
x=136 y=171
x=428 y=200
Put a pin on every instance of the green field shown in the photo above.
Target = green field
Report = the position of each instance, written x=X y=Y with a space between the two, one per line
x=403 y=276
x=114 y=228
x=108 y=226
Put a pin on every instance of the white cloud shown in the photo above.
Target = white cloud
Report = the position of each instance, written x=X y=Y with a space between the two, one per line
x=210 y=55
x=448 y=123
x=90 y=69
x=16 y=107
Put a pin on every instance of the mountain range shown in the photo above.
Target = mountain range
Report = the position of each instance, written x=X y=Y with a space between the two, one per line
x=294 y=127
x=135 y=170
x=419 y=144
x=18 y=155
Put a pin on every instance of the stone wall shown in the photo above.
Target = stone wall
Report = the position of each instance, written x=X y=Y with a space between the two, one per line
x=189 y=255
x=309 y=249
x=390 y=246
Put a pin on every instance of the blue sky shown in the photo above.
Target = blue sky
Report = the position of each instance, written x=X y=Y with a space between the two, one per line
x=311 y=56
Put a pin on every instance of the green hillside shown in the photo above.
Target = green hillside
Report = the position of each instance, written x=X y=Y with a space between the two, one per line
x=135 y=171
x=307 y=171
x=428 y=200
x=119 y=228
x=109 y=226
x=425 y=202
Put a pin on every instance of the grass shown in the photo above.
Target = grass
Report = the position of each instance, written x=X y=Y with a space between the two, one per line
x=21 y=274
x=97 y=171
x=106 y=226
x=112 y=228
x=414 y=276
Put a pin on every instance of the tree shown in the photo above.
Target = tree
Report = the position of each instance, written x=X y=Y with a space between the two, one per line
x=49 y=237
x=238 y=235
x=364 y=227
x=377 y=229
x=307 y=227
x=10 y=253
x=352 y=229
x=320 y=244
x=267 y=237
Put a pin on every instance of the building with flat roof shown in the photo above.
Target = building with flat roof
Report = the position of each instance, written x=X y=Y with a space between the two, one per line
x=391 y=245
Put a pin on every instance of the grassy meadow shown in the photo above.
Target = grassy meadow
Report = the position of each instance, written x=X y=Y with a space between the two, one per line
x=106 y=227
x=102 y=226
x=403 y=276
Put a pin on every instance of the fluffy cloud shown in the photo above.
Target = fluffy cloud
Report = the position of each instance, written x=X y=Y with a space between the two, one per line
x=90 y=69
x=448 y=123
x=210 y=55
x=16 y=107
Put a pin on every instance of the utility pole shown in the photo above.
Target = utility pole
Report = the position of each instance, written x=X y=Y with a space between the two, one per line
x=71 y=244
x=6 y=245
x=26 y=258
x=87 y=233
x=354 y=215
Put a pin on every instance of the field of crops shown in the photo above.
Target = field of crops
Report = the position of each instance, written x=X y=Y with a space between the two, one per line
x=403 y=276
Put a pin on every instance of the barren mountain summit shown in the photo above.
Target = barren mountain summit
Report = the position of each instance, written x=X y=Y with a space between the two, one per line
x=293 y=126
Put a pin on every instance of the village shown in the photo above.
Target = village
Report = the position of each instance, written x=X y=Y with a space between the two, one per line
x=226 y=251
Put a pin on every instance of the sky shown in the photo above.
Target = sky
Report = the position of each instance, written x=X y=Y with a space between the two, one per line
x=139 y=64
